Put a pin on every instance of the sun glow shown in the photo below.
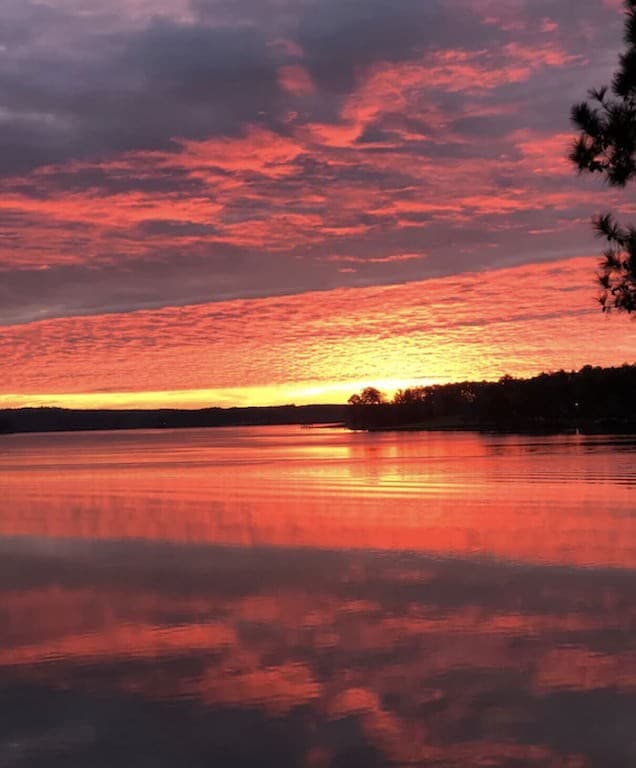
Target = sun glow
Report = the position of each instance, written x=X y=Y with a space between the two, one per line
x=306 y=393
x=318 y=347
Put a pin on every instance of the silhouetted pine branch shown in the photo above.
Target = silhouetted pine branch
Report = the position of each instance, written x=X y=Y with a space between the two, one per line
x=607 y=145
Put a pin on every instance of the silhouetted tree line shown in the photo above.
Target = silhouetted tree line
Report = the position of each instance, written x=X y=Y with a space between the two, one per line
x=592 y=400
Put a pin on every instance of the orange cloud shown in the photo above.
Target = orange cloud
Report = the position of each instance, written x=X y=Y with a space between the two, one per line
x=321 y=345
x=317 y=184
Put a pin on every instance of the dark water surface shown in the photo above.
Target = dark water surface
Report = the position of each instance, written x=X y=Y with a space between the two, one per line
x=287 y=597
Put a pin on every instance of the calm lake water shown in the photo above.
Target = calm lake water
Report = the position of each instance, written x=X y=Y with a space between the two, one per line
x=288 y=597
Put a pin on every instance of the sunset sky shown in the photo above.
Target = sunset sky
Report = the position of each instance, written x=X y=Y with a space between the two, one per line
x=226 y=202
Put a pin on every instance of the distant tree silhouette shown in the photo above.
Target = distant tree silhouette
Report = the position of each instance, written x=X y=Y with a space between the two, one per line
x=368 y=396
x=592 y=400
x=410 y=396
x=607 y=145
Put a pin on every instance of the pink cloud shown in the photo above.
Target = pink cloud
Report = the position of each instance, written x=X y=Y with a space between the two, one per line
x=467 y=326
x=296 y=80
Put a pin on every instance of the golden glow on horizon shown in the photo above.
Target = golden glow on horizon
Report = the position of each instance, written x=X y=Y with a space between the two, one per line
x=321 y=346
x=303 y=393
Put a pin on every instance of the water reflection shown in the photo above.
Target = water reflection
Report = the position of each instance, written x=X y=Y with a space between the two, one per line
x=323 y=600
x=560 y=500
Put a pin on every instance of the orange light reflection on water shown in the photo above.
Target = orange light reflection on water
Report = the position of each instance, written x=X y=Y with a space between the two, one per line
x=512 y=498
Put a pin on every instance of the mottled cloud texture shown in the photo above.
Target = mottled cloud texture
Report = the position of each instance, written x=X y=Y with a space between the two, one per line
x=318 y=346
x=172 y=154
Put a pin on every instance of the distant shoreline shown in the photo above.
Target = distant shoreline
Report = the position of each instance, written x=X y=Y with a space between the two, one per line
x=32 y=420
x=592 y=400
x=63 y=420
